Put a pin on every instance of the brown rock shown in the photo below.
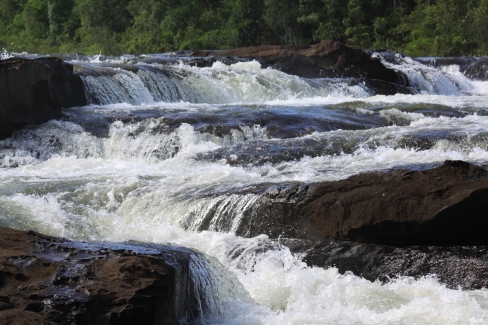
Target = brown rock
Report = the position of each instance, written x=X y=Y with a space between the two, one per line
x=442 y=206
x=478 y=70
x=388 y=88
x=45 y=280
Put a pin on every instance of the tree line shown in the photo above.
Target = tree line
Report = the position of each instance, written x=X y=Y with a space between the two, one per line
x=414 y=27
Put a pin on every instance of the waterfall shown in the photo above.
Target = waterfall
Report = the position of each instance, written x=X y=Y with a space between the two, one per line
x=182 y=155
x=427 y=79
x=108 y=83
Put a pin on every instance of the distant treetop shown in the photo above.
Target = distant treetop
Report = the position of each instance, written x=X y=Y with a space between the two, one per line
x=415 y=27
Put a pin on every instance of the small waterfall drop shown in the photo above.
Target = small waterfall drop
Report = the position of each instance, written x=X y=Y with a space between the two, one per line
x=213 y=289
x=244 y=82
x=427 y=79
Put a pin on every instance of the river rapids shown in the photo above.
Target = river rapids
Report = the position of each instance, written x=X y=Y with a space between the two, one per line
x=160 y=148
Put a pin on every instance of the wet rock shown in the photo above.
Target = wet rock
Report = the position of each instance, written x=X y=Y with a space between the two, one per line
x=389 y=88
x=46 y=280
x=464 y=267
x=35 y=91
x=443 y=206
x=325 y=60
x=478 y=70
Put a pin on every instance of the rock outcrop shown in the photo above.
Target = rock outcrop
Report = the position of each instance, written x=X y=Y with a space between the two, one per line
x=35 y=91
x=327 y=59
x=443 y=206
x=46 y=280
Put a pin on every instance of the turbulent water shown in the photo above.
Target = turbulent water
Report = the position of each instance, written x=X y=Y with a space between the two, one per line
x=177 y=154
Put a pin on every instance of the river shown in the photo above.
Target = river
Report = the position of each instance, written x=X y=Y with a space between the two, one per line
x=177 y=154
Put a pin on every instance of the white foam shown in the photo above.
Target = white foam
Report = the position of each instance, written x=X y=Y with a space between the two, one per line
x=143 y=184
x=427 y=79
x=243 y=82
x=5 y=55
x=284 y=290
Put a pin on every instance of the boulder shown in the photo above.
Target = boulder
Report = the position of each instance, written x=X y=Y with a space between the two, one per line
x=443 y=206
x=34 y=91
x=46 y=280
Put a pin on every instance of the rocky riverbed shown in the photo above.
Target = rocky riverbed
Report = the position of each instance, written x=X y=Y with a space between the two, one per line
x=294 y=167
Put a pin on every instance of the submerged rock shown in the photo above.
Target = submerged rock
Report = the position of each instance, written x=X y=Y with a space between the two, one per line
x=46 y=280
x=34 y=91
x=442 y=206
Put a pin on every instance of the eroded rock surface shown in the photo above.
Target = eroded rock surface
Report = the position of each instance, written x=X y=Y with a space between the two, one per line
x=45 y=280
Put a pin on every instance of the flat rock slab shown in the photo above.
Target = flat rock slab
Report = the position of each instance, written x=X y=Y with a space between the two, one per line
x=46 y=280
x=443 y=206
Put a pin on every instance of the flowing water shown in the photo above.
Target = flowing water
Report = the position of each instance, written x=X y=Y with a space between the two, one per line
x=178 y=154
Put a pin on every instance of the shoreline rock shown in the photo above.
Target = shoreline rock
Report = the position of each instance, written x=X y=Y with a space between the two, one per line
x=47 y=280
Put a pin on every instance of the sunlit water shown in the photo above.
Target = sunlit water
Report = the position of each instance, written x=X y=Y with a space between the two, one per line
x=160 y=148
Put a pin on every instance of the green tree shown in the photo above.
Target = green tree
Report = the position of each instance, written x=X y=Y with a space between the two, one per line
x=331 y=25
x=357 y=31
x=283 y=20
x=444 y=28
x=247 y=16
x=481 y=26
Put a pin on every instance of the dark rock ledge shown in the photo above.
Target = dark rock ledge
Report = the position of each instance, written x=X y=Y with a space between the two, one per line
x=46 y=280
x=34 y=91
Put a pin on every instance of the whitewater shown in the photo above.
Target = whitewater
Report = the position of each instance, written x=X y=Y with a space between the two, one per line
x=178 y=154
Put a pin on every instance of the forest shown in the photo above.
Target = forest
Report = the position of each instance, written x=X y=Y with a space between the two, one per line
x=114 y=27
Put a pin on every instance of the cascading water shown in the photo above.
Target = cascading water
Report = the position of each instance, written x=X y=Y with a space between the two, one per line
x=242 y=82
x=179 y=154
x=426 y=79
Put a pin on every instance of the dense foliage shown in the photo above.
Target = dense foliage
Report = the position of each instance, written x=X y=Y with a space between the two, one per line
x=416 y=27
